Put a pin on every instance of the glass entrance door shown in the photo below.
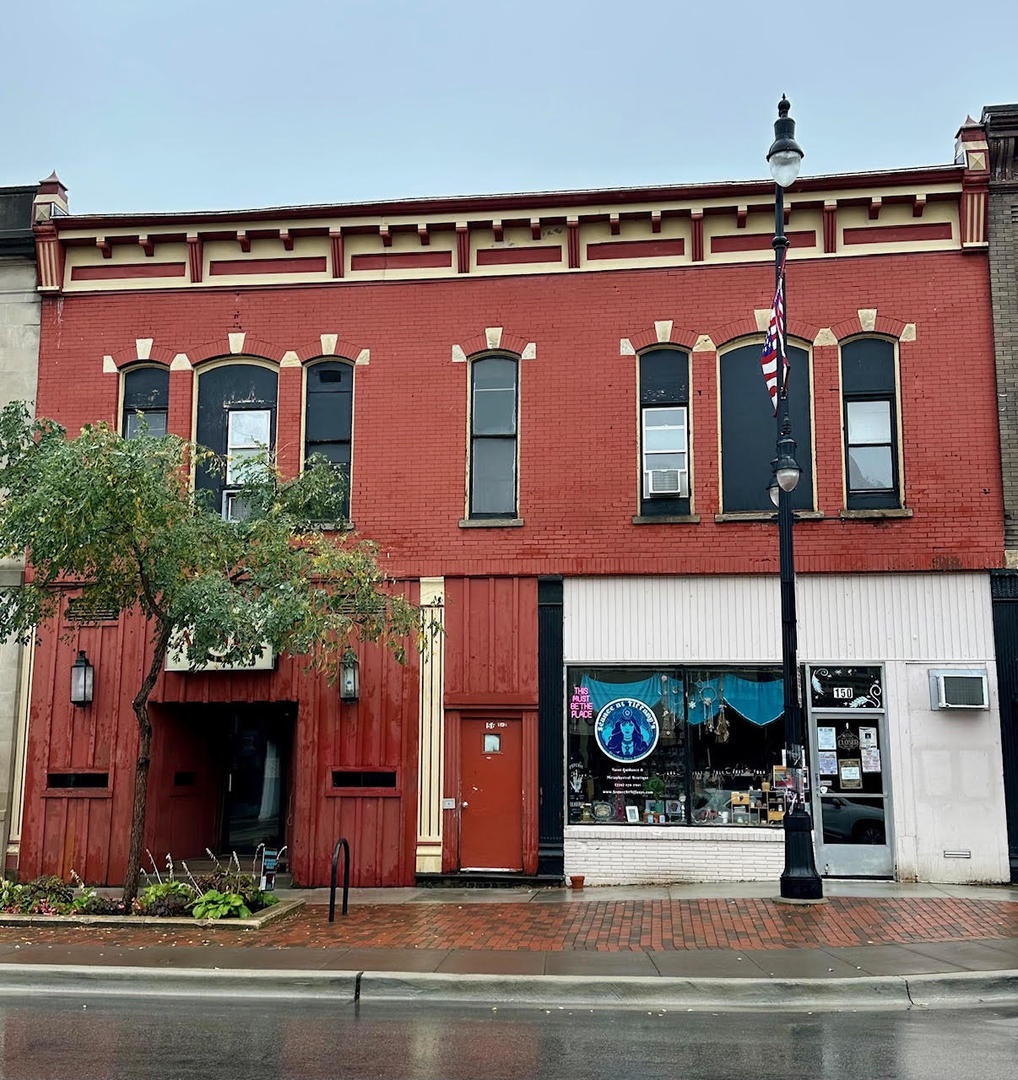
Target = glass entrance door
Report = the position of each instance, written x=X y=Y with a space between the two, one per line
x=255 y=804
x=848 y=752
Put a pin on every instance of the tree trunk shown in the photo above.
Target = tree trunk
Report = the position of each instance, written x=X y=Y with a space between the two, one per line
x=140 y=706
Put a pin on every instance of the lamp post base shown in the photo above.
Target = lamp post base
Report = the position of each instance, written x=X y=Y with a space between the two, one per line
x=800 y=880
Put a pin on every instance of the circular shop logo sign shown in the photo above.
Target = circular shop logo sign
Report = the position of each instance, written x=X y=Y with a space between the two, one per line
x=626 y=730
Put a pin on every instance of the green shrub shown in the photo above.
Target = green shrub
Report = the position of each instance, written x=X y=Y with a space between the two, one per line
x=166 y=898
x=220 y=905
x=91 y=903
x=48 y=889
x=233 y=881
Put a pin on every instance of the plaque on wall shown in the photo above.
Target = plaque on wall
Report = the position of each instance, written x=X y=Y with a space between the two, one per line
x=846 y=688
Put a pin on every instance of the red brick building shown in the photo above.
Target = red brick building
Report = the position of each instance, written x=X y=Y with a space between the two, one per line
x=556 y=428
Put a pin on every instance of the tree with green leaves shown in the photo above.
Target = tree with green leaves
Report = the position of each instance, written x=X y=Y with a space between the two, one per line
x=118 y=522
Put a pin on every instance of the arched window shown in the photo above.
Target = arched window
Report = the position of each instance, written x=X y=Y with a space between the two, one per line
x=749 y=430
x=493 y=436
x=664 y=432
x=146 y=392
x=328 y=418
x=869 y=395
x=237 y=420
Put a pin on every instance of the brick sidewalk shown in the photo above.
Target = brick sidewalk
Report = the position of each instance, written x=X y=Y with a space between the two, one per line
x=595 y=926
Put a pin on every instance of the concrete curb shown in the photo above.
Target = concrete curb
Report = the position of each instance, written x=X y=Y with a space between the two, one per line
x=936 y=991
x=256 y=922
x=57 y=979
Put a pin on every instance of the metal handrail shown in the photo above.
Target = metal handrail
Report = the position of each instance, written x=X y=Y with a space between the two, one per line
x=340 y=843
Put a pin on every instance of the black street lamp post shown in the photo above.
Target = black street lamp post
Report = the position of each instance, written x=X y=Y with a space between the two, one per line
x=800 y=880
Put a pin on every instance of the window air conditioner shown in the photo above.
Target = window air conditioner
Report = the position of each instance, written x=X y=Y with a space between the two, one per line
x=664 y=481
x=957 y=688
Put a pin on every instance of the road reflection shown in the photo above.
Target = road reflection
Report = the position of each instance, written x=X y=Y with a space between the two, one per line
x=49 y=1038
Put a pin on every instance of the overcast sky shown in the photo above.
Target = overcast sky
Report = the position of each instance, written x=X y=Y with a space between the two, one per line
x=204 y=104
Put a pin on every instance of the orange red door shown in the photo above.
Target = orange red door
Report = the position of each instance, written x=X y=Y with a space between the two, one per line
x=491 y=794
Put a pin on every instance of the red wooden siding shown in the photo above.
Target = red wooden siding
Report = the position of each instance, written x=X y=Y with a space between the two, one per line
x=491 y=674
x=88 y=830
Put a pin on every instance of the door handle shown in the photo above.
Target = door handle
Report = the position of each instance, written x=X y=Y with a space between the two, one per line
x=464 y=803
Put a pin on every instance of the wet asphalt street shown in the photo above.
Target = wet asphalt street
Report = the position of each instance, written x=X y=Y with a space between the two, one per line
x=114 y=1038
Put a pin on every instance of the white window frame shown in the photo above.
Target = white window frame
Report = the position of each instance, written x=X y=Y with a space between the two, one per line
x=681 y=447
x=231 y=446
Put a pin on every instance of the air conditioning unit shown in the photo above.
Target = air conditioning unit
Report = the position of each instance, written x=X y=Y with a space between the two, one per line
x=959 y=688
x=234 y=505
x=664 y=481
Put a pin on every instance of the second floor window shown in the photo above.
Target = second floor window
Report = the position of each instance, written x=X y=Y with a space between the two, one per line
x=869 y=390
x=328 y=418
x=749 y=430
x=493 y=437
x=146 y=394
x=664 y=432
x=237 y=421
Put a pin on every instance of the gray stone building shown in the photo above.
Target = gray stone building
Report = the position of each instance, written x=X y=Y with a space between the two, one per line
x=1000 y=123
x=19 y=361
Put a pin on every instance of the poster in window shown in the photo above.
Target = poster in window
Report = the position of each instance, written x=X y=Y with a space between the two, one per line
x=870 y=759
x=850 y=774
x=827 y=763
x=826 y=738
x=846 y=688
x=626 y=730
x=868 y=737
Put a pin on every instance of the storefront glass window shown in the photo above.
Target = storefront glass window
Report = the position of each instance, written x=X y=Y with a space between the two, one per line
x=674 y=745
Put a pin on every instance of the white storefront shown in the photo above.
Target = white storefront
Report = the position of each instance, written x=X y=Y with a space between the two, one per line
x=700 y=656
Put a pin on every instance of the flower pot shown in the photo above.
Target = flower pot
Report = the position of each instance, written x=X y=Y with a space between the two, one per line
x=576 y=881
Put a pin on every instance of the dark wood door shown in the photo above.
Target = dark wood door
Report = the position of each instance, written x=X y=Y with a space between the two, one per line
x=491 y=794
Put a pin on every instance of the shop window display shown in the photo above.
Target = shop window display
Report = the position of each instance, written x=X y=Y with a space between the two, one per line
x=675 y=746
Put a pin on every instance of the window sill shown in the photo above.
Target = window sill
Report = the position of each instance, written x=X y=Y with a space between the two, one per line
x=666 y=519
x=491 y=523
x=768 y=515
x=874 y=515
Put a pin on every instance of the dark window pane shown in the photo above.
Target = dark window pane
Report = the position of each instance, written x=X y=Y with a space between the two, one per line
x=494 y=412
x=749 y=430
x=336 y=452
x=493 y=477
x=328 y=416
x=146 y=388
x=78 y=780
x=494 y=373
x=330 y=378
x=853 y=821
x=664 y=377
x=867 y=367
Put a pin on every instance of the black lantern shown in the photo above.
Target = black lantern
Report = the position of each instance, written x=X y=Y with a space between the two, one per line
x=82 y=679
x=349 y=677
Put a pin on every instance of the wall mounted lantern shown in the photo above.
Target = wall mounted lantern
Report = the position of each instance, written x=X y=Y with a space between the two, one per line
x=349 y=677
x=82 y=680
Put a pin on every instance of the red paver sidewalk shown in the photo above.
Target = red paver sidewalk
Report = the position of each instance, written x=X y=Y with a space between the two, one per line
x=597 y=926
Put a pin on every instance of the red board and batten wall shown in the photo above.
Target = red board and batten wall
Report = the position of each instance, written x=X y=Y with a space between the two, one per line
x=87 y=830
x=491 y=676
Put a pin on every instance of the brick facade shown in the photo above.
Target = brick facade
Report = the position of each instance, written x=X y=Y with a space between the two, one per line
x=578 y=412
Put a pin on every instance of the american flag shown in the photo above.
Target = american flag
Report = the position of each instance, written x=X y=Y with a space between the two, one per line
x=773 y=343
